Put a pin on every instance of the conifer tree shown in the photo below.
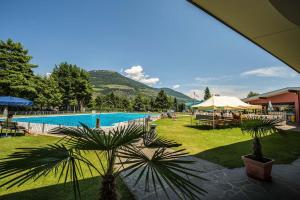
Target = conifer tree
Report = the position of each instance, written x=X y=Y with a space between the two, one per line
x=207 y=93
x=74 y=84
x=175 y=104
x=252 y=94
x=138 y=103
x=161 y=101
x=16 y=74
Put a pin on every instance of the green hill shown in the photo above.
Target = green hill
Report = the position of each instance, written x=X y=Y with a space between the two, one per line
x=105 y=81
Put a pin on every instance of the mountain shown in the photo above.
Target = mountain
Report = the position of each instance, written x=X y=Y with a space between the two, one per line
x=105 y=81
x=175 y=93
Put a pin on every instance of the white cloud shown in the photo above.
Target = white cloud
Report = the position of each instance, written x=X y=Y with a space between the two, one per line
x=149 y=81
x=137 y=73
x=205 y=79
x=176 y=86
x=224 y=90
x=208 y=79
x=279 y=72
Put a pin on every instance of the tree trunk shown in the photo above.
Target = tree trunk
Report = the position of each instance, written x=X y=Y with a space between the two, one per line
x=80 y=105
x=108 y=189
x=257 y=150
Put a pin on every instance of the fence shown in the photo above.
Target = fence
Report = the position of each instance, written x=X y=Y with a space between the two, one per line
x=45 y=112
x=43 y=128
x=271 y=115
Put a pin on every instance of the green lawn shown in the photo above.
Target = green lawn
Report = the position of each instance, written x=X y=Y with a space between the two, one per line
x=226 y=146
x=48 y=188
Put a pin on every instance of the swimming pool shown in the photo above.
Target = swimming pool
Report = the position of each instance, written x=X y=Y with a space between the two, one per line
x=106 y=119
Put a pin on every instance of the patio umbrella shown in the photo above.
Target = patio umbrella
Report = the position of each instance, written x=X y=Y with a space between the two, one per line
x=270 y=106
x=253 y=107
x=223 y=103
x=13 y=101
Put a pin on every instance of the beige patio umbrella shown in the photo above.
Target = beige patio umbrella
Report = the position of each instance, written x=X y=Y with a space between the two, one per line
x=224 y=103
x=252 y=107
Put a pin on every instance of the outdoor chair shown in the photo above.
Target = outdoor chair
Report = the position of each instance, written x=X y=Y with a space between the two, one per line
x=236 y=119
x=219 y=122
x=12 y=127
x=204 y=120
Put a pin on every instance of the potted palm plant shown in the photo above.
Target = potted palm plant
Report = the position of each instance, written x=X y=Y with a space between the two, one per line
x=123 y=149
x=258 y=166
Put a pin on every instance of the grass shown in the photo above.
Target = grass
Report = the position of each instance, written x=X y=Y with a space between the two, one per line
x=226 y=146
x=223 y=146
x=48 y=187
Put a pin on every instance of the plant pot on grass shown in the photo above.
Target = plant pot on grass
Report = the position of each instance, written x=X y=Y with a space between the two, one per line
x=256 y=165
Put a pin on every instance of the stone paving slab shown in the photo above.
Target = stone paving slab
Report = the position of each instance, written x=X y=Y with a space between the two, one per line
x=290 y=128
x=234 y=184
x=296 y=163
x=138 y=190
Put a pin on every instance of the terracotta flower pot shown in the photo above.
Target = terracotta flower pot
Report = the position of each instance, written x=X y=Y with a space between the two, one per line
x=257 y=169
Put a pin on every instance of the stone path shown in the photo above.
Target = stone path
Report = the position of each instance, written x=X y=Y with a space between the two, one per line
x=290 y=128
x=234 y=184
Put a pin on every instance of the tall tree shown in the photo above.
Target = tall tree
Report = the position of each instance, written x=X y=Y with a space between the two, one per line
x=161 y=101
x=181 y=107
x=138 y=104
x=252 y=94
x=73 y=103
x=16 y=74
x=175 y=104
x=53 y=93
x=74 y=84
x=83 y=89
x=125 y=104
x=48 y=93
x=207 y=93
x=112 y=100
x=152 y=104
x=99 y=100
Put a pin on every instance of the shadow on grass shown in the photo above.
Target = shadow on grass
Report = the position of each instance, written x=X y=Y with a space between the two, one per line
x=89 y=191
x=284 y=148
x=11 y=134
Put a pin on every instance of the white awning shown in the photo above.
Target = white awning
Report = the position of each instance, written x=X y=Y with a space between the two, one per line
x=224 y=102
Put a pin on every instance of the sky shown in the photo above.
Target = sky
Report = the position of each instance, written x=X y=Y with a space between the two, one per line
x=162 y=43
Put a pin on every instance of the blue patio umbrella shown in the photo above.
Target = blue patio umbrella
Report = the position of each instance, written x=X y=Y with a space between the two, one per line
x=13 y=101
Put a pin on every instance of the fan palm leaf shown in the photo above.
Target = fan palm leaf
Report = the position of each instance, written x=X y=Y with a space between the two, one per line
x=85 y=138
x=34 y=163
x=163 y=168
x=259 y=127
x=152 y=140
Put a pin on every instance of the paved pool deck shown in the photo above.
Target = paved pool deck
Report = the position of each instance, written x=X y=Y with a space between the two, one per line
x=233 y=184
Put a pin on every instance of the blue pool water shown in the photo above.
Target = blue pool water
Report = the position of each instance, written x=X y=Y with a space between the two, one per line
x=106 y=119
